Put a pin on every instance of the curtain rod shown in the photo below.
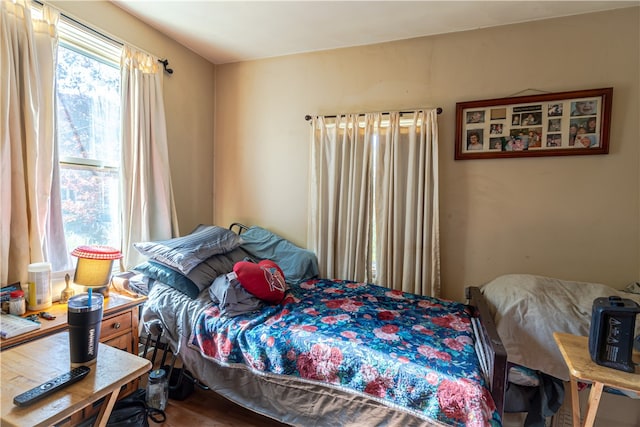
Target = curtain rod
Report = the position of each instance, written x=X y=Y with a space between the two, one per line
x=101 y=33
x=309 y=117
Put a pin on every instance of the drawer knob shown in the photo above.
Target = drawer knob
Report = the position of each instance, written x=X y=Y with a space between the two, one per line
x=116 y=325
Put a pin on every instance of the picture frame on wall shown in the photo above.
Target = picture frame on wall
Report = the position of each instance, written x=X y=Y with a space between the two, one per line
x=550 y=124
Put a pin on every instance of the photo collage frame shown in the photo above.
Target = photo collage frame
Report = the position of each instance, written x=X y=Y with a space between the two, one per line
x=565 y=123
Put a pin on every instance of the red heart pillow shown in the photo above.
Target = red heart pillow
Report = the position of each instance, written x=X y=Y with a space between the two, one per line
x=263 y=280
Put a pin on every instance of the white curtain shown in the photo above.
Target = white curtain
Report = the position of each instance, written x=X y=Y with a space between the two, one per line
x=406 y=194
x=374 y=199
x=27 y=69
x=147 y=198
x=340 y=202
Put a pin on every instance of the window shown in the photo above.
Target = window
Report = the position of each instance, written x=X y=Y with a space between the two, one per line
x=88 y=136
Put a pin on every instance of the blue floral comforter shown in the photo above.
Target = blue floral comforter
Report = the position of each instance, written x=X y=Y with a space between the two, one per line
x=415 y=352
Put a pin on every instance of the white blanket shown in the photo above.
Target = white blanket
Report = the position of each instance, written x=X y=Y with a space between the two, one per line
x=529 y=309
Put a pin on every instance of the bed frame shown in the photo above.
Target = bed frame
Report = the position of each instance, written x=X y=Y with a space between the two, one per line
x=491 y=348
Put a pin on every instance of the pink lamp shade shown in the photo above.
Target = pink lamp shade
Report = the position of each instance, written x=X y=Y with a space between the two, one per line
x=94 y=264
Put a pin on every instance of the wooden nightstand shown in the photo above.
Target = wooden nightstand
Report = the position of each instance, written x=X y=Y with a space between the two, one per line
x=119 y=325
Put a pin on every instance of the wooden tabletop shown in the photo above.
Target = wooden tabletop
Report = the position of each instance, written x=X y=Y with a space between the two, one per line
x=575 y=350
x=29 y=365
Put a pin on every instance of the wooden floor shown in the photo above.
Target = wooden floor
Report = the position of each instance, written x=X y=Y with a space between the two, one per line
x=208 y=409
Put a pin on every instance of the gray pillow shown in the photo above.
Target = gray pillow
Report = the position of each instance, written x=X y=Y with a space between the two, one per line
x=200 y=278
x=207 y=271
x=185 y=253
x=169 y=277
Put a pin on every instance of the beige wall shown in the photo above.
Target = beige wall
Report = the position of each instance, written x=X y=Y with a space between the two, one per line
x=570 y=217
x=575 y=217
x=189 y=102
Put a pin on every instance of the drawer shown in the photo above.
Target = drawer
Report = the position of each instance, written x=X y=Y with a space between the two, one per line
x=123 y=342
x=114 y=325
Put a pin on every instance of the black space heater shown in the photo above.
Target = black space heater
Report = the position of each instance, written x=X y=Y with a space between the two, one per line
x=613 y=322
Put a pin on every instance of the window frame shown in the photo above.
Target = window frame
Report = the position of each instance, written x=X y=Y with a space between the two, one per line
x=84 y=40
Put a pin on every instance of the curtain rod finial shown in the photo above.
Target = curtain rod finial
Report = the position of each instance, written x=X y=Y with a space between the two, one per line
x=165 y=64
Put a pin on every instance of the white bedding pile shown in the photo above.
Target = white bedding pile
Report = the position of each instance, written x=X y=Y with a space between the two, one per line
x=529 y=309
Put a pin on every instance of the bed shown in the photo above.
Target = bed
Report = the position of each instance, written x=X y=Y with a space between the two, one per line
x=331 y=352
x=527 y=309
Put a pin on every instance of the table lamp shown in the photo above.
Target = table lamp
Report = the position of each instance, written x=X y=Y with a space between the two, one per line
x=93 y=270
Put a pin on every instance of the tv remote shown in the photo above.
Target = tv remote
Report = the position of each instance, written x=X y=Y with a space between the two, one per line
x=44 y=390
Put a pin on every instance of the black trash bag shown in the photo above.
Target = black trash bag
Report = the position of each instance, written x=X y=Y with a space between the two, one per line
x=181 y=383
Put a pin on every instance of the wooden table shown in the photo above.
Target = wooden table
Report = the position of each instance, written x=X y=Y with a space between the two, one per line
x=29 y=365
x=575 y=351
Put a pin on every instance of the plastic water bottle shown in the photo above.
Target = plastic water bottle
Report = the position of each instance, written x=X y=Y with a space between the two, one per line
x=157 y=389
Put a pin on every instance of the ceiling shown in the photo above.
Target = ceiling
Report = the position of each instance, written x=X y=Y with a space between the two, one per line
x=233 y=31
